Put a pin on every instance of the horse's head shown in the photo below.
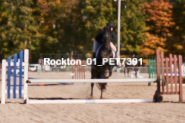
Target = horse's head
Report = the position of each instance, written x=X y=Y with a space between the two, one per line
x=106 y=39
x=107 y=53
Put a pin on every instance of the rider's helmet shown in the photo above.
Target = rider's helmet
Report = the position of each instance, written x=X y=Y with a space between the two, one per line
x=110 y=24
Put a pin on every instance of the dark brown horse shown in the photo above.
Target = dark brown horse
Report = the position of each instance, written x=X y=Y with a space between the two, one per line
x=102 y=71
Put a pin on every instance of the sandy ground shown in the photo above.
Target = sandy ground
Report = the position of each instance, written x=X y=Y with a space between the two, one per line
x=170 y=111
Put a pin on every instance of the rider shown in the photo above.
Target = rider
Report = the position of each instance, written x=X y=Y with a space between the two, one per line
x=99 y=38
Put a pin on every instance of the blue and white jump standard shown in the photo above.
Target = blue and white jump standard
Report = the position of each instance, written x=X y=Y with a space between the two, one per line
x=6 y=87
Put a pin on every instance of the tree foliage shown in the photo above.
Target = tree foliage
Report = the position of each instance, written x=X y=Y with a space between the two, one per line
x=70 y=27
x=99 y=12
x=176 y=42
x=159 y=23
x=18 y=28
x=132 y=26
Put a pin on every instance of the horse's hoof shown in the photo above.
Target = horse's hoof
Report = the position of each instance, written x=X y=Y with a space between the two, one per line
x=91 y=97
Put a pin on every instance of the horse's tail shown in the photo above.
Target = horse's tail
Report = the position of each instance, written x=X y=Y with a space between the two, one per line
x=101 y=86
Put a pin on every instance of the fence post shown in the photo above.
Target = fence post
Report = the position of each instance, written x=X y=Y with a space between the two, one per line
x=14 y=75
x=149 y=68
x=150 y=71
x=26 y=63
x=3 y=81
x=20 y=74
x=157 y=96
x=180 y=79
x=9 y=77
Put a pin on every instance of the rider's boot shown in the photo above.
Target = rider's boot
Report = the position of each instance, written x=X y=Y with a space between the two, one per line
x=93 y=55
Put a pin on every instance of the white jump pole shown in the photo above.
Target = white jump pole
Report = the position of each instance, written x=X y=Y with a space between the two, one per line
x=3 y=81
x=89 y=101
x=90 y=80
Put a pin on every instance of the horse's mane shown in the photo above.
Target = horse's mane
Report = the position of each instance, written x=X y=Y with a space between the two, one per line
x=107 y=34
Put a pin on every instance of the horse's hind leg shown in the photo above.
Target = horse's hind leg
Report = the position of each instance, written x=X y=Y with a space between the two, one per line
x=102 y=87
x=92 y=85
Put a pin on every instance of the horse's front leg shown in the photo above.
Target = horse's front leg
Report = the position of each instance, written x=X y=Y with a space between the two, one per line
x=101 y=93
x=103 y=86
x=92 y=85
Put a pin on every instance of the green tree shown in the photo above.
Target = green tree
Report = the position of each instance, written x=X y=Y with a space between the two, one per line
x=99 y=12
x=132 y=26
x=61 y=26
x=96 y=14
x=18 y=29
